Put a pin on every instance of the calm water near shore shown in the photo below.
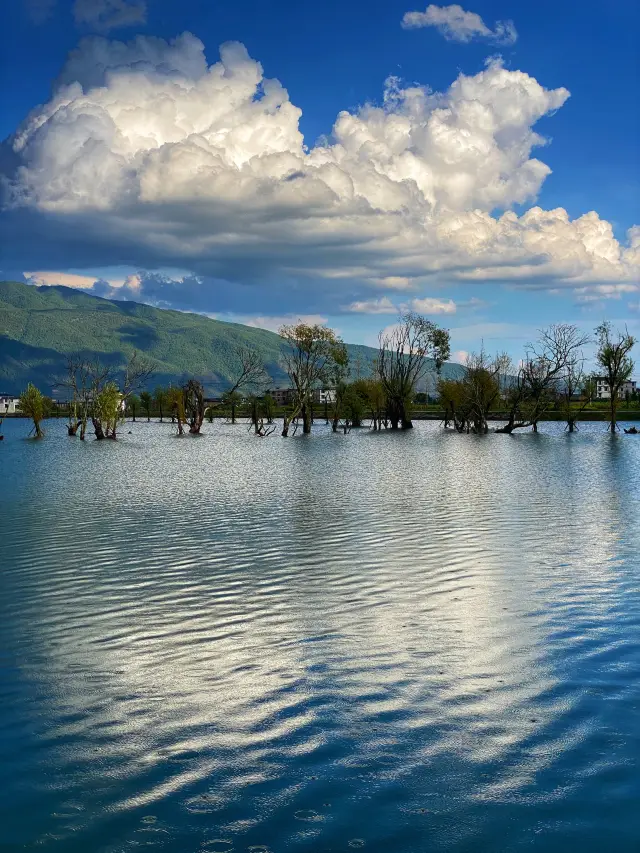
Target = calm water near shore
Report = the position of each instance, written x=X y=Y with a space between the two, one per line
x=395 y=642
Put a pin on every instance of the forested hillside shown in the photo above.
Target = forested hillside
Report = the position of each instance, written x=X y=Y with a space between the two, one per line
x=39 y=326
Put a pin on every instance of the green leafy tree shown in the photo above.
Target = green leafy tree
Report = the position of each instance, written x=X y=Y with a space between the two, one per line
x=268 y=407
x=403 y=355
x=146 y=400
x=33 y=406
x=311 y=356
x=161 y=400
x=133 y=404
x=107 y=411
x=175 y=399
x=374 y=394
x=614 y=358
x=232 y=400
x=469 y=401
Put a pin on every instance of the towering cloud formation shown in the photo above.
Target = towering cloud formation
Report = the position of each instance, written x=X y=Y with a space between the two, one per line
x=457 y=25
x=150 y=157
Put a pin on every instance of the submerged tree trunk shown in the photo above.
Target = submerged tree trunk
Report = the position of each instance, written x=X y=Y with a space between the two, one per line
x=97 y=428
x=612 y=412
x=307 y=419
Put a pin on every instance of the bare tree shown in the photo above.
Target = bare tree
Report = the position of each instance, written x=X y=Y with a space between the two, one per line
x=403 y=360
x=613 y=356
x=576 y=391
x=79 y=382
x=137 y=372
x=250 y=374
x=193 y=396
x=541 y=374
x=259 y=412
x=310 y=356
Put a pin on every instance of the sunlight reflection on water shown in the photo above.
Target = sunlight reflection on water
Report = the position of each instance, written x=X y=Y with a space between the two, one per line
x=405 y=642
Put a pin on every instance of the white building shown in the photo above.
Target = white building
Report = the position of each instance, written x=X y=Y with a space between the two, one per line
x=284 y=396
x=603 y=392
x=324 y=395
x=9 y=404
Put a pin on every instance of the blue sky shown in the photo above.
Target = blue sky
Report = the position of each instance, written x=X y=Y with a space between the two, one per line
x=233 y=217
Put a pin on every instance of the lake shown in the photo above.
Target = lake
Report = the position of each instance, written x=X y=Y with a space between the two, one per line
x=399 y=643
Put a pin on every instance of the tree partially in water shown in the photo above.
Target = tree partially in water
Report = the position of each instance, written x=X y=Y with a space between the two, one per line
x=469 y=401
x=615 y=360
x=372 y=392
x=32 y=405
x=541 y=375
x=78 y=383
x=108 y=399
x=134 y=403
x=107 y=411
x=310 y=357
x=146 y=401
x=175 y=399
x=576 y=392
x=193 y=405
x=250 y=375
x=350 y=405
x=231 y=400
x=403 y=359
x=137 y=372
x=161 y=401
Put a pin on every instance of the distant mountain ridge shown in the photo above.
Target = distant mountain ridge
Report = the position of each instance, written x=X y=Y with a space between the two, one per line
x=40 y=326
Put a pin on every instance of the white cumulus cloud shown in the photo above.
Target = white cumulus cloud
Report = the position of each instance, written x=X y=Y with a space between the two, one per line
x=430 y=305
x=147 y=156
x=457 y=25
x=105 y=15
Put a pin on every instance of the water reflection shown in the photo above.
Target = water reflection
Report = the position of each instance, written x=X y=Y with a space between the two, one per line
x=423 y=641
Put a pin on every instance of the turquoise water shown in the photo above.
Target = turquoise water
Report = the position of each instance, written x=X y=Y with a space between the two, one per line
x=394 y=642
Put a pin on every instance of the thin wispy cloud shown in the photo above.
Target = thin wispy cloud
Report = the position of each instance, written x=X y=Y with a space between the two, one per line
x=455 y=24
x=105 y=15
x=273 y=324
x=426 y=305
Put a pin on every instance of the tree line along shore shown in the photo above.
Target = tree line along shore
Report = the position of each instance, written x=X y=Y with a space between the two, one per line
x=550 y=382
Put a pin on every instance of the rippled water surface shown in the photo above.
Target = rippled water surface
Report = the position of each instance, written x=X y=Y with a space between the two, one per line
x=395 y=642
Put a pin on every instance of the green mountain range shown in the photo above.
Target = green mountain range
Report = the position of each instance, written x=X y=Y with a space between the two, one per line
x=40 y=326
